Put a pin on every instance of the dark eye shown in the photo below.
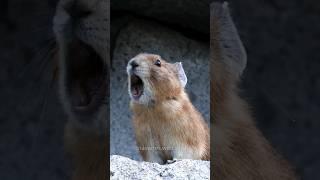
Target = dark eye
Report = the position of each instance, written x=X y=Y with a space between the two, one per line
x=158 y=63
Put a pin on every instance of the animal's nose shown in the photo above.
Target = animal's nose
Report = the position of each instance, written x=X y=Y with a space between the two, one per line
x=134 y=64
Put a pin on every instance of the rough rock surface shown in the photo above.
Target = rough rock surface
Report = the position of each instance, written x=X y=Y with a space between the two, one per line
x=125 y=168
x=144 y=36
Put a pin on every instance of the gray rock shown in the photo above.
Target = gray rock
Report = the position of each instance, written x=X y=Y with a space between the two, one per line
x=125 y=168
x=144 y=36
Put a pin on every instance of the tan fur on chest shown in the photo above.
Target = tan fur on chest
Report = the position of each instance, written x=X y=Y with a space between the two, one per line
x=172 y=129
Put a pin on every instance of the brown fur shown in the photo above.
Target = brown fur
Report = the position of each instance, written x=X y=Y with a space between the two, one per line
x=88 y=153
x=239 y=149
x=171 y=117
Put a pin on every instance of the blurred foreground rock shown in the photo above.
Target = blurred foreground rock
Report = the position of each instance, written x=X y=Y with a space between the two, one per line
x=125 y=168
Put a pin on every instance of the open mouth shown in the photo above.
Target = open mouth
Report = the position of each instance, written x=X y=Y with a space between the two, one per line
x=86 y=83
x=136 y=87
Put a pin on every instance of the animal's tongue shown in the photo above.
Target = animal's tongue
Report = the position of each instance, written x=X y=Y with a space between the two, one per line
x=135 y=91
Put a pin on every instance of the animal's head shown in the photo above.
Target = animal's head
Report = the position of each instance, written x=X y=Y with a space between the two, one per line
x=81 y=29
x=152 y=79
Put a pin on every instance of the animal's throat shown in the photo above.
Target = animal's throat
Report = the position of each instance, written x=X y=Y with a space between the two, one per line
x=85 y=77
x=136 y=86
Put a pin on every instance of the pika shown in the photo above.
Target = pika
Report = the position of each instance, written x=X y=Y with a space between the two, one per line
x=240 y=151
x=167 y=126
x=81 y=32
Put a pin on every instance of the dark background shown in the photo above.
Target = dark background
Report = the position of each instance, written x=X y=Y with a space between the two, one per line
x=281 y=81
x=31 y=117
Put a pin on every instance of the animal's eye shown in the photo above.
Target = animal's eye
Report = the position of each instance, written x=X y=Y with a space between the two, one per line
x=158 y=63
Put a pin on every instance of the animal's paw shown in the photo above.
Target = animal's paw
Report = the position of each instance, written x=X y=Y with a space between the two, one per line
x=171 y=161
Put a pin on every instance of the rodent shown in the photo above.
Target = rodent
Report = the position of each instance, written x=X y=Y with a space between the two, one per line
x=81 y=31
x=167 y=126
x=239 y=149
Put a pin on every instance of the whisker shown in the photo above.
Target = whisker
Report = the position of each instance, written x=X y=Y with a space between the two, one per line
x=45 y=49
x=276 y=103
x=41 y=29
x=143 y=72
x=38 y=75
x=43 y=112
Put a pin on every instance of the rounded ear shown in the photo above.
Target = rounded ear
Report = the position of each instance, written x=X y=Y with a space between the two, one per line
x=181 y=74
x=225 y=42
